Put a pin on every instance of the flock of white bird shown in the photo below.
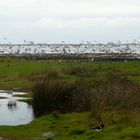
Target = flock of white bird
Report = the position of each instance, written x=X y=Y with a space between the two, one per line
x=20 y=49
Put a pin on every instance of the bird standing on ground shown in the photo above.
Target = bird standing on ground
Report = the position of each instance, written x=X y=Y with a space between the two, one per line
x=98 y=128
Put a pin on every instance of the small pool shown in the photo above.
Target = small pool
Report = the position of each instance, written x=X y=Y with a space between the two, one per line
x=18 y=114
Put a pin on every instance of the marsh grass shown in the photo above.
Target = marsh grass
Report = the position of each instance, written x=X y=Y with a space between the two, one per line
x=59 y=96
x=82 y=70
x=110 y=90
x=117 y=94
x=51 y=73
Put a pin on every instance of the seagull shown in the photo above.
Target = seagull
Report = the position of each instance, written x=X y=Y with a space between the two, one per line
x=98 y=128
x=88 y=42
x=12 y=101
x=63 y=42
x=25 y=41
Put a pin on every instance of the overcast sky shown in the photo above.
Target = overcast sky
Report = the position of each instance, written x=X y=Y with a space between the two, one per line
x=54 y=21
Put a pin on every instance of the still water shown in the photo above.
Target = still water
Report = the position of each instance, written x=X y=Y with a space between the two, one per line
x=16 y=114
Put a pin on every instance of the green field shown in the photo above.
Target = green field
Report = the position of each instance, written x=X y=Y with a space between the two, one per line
x=16 y=73
x=74 y=126
x=119 y=123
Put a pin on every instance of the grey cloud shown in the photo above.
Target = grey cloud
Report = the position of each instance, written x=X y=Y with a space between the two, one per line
x=70 y=20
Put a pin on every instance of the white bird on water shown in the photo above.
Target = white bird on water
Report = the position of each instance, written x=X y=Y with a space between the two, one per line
x=12 y=101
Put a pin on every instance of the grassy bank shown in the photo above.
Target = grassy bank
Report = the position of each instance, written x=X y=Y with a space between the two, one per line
x=75 y=126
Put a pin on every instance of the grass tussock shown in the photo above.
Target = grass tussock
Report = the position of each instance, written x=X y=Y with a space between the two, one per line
x=59 y=96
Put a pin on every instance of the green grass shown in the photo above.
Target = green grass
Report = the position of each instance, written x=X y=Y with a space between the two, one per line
x=75 y=126
x=16 y=73
x=119 y=125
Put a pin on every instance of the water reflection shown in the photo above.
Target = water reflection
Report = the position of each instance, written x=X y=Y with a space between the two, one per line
x=12 y=111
